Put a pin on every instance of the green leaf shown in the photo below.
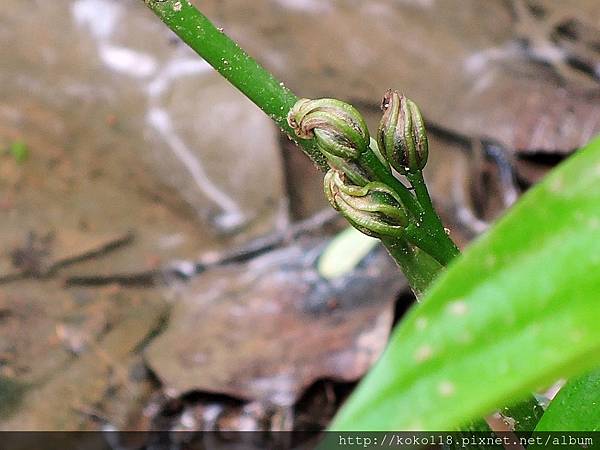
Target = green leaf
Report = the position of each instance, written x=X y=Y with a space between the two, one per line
x=576 y=407
x=19 y=151
x=523 y=416
x=517 y=311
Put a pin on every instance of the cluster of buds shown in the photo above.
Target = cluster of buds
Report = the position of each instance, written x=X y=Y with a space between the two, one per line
x=340 y=133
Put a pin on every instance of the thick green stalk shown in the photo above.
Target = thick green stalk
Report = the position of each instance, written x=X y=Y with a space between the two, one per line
x=432 y=236
x=233 y=63
x=419 y=268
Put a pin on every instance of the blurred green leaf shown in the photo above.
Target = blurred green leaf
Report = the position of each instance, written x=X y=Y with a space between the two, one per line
x=345 y=251
x=576 y=406
x=19 y=151
x=517 y=311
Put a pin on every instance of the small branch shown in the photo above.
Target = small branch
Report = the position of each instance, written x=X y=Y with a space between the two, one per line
x=138 y=279
x=115 y=244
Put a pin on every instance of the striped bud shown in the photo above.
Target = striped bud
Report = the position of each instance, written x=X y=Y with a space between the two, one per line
x=401 y=135
x=373 y=209
x=338 y=128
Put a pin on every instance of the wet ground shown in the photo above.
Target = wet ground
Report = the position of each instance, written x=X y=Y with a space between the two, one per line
x=121 y=179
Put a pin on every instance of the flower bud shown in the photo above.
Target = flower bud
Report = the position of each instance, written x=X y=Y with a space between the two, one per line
x=401 y=135
x=352 y=171
x=373 y=209
x=338 y=128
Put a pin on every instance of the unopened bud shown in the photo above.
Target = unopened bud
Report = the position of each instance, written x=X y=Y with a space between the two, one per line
x=353 y=171
x=338 y=128
x=401 y=135
x=373 y=209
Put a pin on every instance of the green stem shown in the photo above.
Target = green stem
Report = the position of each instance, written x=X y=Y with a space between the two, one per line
x=431 y=235
x=429 y=241
x=233 y=63
x=419 y=268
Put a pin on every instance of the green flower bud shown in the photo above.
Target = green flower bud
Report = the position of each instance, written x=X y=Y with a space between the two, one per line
x=338 y=128
x=373 y=209
x=353 y=172
x=401 y=135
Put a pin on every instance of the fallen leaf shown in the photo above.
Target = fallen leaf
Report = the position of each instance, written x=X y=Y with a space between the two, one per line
x=267 y=329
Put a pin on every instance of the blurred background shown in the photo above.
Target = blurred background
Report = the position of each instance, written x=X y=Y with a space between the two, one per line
x=159 y=238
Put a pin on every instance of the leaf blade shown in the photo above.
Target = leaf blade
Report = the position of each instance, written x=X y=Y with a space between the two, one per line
x=487 y=331
x=576 y=407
